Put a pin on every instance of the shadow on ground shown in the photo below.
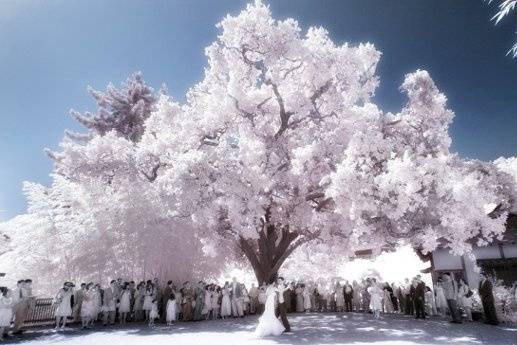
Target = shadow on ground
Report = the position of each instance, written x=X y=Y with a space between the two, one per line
x=348 y=328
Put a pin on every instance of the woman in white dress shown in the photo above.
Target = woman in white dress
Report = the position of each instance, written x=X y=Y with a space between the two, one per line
x=207 y=303
x=63 y=300
x=376 y=295
x=441 y=302
x=216 y=295
x=153 y=313
x=148 y=299
x=226 y=304
x=306 y=298
x=268 y=322
x=6 y=310
x=171 y=309
x=88 y=307
x=430 y=304
x=125 y=303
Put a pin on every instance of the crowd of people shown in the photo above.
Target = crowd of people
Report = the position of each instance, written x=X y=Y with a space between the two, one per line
x=152 y=301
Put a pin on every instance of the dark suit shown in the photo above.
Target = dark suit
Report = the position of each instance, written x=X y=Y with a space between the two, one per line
x=349 y=295
x=418 y=296
x=282 y=309
x=487 y=299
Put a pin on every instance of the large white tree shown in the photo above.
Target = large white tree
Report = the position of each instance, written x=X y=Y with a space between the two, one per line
x=280 y=144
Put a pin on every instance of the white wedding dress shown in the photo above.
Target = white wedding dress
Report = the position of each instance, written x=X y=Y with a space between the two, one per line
x=268 y=322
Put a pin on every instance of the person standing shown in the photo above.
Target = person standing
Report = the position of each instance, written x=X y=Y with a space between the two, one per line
x=138 y=305
x=348 y=292
x=487 y=299
x=450 y=291
x=166 y=293
x=387 y=304
x=375 y=293
x=207 y=306
x=171 y=309
x=409 y=306
x=63 y=300
x=109 y=304
x=22 y=300
x=149 y=296
x=366 y=295
x=216 y=300
x=125 y=303
x=339 y=292
x=441 y=301
x=187 y=302
x=88 y=307
x=430 y=303
x=299 y=298
x=306 y=298
x=237 y=299
x=394 y=297
x=78 y=302
x=226 y=304
x=6 y=311
x=418 y=297
x=356 y=296
x=200 y=300
x=464 y=299
x=253 y=294
x=281 y=288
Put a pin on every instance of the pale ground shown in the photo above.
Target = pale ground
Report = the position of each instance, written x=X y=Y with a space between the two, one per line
x=308 y=329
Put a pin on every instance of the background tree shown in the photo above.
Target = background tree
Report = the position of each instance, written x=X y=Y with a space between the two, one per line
x=121 y=110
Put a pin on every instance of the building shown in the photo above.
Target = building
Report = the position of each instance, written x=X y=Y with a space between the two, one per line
x=499 y=259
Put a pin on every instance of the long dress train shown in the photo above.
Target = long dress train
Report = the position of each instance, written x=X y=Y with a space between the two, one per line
x=268 y=322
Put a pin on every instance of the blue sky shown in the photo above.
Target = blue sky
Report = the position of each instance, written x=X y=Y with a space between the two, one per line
x=51 y=50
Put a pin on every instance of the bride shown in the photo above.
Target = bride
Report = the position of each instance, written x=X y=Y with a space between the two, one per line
x=268 y=322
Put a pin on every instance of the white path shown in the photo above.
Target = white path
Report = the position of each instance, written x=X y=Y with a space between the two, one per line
x=308 y=329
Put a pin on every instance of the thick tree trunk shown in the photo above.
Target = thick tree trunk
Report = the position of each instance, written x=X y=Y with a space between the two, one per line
x=267 y=253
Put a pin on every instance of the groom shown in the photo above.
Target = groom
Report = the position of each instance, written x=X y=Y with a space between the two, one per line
x=282 y=303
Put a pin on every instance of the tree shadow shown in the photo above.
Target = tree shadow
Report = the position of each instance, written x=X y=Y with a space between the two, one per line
x=312 y=328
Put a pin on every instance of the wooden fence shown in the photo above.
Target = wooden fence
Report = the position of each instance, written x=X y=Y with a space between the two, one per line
x=41 y=313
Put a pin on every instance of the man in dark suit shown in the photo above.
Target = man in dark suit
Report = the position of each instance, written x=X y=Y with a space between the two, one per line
x=281 y=288
x=418 y=297
x=487 y=299
x=348 y=293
